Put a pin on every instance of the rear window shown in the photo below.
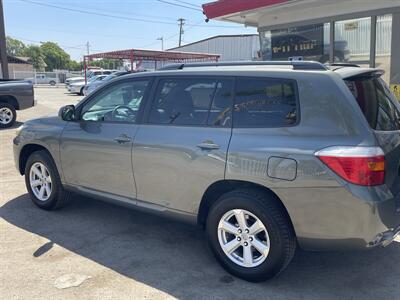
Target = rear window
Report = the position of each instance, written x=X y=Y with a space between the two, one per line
x=377 y=102
x=261 y=102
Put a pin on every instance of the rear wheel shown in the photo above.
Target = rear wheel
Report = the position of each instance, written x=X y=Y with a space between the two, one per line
x=52 y=82
x=43 y=181
x=250 y=234
x=8 y=115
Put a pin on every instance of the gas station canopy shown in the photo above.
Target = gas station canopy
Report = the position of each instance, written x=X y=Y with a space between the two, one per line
x=272 y=13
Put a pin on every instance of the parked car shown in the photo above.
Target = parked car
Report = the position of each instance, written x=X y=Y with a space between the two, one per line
x=74 y=79
x=43 y=79
x=91 y=86
x=14 y=95
x=265 y=156
x=78 y=87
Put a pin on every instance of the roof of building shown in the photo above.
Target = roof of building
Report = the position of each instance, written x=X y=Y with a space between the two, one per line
x=18 y=60
x=214 y=37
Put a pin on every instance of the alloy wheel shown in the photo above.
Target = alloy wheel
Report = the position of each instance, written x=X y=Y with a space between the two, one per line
x=40 y=181
x=243 y=238
x=6 y=115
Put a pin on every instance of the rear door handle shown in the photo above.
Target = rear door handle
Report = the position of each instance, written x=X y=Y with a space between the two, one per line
x=208 y=145
x=122 y=139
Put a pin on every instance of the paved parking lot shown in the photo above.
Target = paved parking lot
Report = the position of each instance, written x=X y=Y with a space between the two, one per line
x=94 y=250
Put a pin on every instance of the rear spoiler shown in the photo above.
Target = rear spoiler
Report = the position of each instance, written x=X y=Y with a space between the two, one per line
x=348 y=73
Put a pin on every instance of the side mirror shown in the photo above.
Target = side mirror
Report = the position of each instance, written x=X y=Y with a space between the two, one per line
x=67 y=113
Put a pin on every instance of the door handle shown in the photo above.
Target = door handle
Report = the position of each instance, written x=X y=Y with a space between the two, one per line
x=208 y=145
x=122 y=139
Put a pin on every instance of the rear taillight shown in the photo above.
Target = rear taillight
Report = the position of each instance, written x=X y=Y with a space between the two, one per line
x=357 y=165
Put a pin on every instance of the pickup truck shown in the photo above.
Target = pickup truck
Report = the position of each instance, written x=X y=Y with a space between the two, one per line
x=43 y=79
x=14 y=95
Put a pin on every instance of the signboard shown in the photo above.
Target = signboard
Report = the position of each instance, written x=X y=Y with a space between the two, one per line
x=351 y=26
x=395 y=88
x=297 y=41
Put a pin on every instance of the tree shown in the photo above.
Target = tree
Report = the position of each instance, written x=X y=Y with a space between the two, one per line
x=75 y=66
x=54 y=56
x=14 y=47
x=36 y=57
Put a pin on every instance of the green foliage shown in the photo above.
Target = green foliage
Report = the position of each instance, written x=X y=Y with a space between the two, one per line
x=107 y=63
x=75 y=66
x=54 y=56
x=14 y=47
x=50 y=56
x=36 y=57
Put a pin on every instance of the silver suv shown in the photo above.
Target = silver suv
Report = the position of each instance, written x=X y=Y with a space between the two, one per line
x=265 y=156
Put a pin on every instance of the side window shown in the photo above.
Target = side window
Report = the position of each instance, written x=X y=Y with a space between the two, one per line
x=265 y=103
x=195 y=101
x=118 y=103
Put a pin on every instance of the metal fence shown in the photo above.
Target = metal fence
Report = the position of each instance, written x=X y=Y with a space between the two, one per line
x=43 y=78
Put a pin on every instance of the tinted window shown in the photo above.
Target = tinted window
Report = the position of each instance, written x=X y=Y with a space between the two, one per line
x=377 y=103
x=265 y=103
x=194 y=101
x=118 y=103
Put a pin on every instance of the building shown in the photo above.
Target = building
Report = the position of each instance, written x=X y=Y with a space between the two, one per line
x=229 y=47
x=365 y=32
x=18 y=65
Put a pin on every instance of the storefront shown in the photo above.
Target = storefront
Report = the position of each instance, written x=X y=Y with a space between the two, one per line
x=363 y=32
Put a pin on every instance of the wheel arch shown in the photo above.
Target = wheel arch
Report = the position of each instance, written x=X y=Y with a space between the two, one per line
x=27 y=151
x=10 y=100
x=218 y=188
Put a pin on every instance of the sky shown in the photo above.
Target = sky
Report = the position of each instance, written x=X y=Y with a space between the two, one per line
x=110 y=24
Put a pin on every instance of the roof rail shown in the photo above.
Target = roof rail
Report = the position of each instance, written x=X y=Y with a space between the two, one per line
x=343 y=65
x=297 y=65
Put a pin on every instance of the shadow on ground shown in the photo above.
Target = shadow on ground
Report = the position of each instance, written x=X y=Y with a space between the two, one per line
x=14 y=126
x=174 y=257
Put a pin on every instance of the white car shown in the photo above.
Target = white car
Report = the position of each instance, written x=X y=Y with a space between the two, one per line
x=74 y=79
x=78 y=87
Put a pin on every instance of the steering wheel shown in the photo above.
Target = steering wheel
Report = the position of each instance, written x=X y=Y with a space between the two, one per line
x=123 y=111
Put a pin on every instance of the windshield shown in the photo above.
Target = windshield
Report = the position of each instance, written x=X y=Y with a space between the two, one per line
x=380 y=107
x=109 y=77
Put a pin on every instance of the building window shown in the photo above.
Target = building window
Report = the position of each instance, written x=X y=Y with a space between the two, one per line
x=383 y=44
x=352 y=41
x=309 y=42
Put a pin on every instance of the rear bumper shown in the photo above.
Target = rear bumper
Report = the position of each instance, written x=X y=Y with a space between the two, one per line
x=341 y=218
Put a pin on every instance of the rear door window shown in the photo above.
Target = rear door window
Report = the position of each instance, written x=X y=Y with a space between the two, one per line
x=192 y=101
x=376 y=101
x=263 y=102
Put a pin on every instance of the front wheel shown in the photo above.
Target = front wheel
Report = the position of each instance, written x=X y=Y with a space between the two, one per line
x=8 y=115
x=43 y=181
x=250 y=234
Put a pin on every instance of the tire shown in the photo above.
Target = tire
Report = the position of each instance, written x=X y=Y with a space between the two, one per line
x=8 y=115
x=81 y=91
x=57 y=196
x=278 y=235
x=52 y=82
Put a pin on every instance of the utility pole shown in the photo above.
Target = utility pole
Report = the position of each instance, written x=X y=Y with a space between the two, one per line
x=87 y=48
x=162 y=42
x=3 y=51
x=181 y=23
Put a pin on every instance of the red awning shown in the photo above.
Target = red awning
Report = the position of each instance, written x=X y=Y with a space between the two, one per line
x=226 y=7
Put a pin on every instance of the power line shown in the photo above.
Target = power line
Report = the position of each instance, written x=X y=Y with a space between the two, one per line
x=187 y=3
x=122 y=17
x=180 y=5
x=96 y=13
